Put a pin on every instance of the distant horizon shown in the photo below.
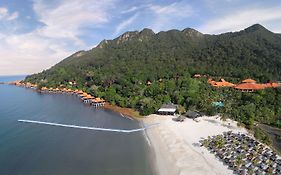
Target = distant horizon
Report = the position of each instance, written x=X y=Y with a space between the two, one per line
x=13 y=75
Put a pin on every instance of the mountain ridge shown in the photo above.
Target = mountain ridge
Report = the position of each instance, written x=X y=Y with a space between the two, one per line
x=119 y=70
x=188 y=31
x=186 y=45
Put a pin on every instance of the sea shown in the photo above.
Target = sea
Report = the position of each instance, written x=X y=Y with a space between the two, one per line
x=33 y=149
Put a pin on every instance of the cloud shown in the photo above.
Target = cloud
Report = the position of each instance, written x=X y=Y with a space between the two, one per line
x=167 y=15
x=131 y=9
x=69 y=18
x=241 y=19
x=124 y=24
x=6 y=16
x=57 y=37
x=179 y=9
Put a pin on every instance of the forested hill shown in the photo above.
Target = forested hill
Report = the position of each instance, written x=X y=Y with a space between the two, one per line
x=253 y=52
x=143 y=70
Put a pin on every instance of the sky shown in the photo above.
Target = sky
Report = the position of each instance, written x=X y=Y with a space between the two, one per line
x=36 y=34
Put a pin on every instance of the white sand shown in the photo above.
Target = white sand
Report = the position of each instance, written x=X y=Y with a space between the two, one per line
x=176 y=145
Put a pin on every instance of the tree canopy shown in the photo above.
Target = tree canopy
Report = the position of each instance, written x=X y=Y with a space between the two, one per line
x=119 y=70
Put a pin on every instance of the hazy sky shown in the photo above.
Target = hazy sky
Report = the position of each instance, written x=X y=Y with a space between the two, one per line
x=36 y=34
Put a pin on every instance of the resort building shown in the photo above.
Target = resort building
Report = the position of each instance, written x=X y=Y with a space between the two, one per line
x=249 y=80
x=221 y=83
x=247 y=85
x=197 y=76
x=97 y=102
x=250 y=85
x=168 y=109
x=84 y=94
x=44 y=89
x=79 y=92
x=88 y=99
x=56 y=90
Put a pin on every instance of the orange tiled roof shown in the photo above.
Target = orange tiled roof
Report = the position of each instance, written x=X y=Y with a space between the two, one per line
x=272 y=85
x=88 y=97
x=249 y=81
x=221 y=83
x=79 y=92
x=98 y=100
x=84 y=94
x=44 y=88
x=250 y=86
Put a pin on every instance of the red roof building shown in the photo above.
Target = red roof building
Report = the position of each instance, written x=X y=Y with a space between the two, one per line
x=249 y=87
x=249 y=81
x=221 y=83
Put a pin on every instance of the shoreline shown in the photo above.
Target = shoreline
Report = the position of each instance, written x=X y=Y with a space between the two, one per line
x=177 y=154
x=177 y=144
x=127 y=112
x=163 y=165
x=173 y=150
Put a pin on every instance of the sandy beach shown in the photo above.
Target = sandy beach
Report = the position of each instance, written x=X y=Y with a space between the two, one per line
x=176 y=144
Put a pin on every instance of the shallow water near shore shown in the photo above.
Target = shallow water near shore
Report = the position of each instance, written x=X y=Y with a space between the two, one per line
x=28 y=149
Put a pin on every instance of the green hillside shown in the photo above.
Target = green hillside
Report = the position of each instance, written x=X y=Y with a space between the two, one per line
x=119 y=69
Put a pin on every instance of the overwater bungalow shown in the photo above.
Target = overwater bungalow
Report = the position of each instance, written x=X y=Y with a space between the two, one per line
x=83 y=95
x=70 y=91
x=97 y=102
x=49 y=90
x=57 y=90
x=75 y=91
x=63 y=90
x=88 y=99
x=79 y=92
x=44 y=89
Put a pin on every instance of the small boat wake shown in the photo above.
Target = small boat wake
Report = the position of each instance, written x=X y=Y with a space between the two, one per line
x=89 y=128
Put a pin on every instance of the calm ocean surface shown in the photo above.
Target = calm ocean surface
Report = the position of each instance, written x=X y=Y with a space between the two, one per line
x=31 y=149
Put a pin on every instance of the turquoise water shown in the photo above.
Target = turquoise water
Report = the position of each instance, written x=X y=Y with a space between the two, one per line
x=27 y=149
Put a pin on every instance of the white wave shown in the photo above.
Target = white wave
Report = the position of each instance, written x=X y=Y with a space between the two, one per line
x=86 y=127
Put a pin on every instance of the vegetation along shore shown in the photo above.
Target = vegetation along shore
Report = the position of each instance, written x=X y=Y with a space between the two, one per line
x=143 y=70
x=138 y=72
